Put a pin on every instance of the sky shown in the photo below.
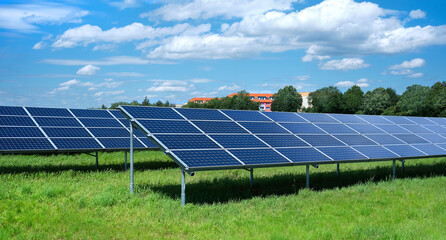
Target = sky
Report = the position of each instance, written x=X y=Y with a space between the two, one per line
x=82 y=54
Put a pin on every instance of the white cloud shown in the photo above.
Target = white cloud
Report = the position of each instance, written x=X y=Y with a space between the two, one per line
x=363 y=80
x=170 y=86
x=302 y=78
x=416 y=75
x=347 y=84
x=109 y=93
x=201 y=80
x=70 y=82
x=25 y=17
x=103 y=47
x=401 y=72
x=414 y=63
x=126 y=4
x=233 y=87
x=90 y=85
x=205 y=9
x=344 y=64
x=39 y=45
x=88 y=70
x=116 y=60
x=126 y=74
x=417 y=14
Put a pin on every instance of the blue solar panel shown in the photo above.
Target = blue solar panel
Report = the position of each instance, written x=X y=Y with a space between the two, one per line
x=435 y=128
x=186 y=141
x=66 y=132
x=152 y=112
x=398 y=119
x=245 y=115
x=147 y=142
x=118 y=114
x=354 y=140
x=365 y=128
x=16 y=121
x=201 y=114
x=48 y=112
x=384 y=139
x=335 y=128
x=98 y=122
x=302 y=128
x=430 y=149
x=318 y=118
x=416 y=129
x=376 y=152
x=110 y=132
x=75 y=143
x=137 y=133
x=321 y=140
x=219 y=127
x=263 y=127
x=12 y=111
x=125 y=122
x=168 y=126
x=438 y=120
x=20 y=132
x=342 y=153
x=442 y=145
x=25 y=144
x=405 y=151
x=206 y=158
x=419 y=120
x=283 y=140
x=57 y=122
x=123 y=143
x=259 y=156
x=374 y=119
x=304 y=155
x=392 y=128
x=410 y=138
x=284 y=117
x=91 y=113
x=238 y=141
x=433 y=137
x=344 y=118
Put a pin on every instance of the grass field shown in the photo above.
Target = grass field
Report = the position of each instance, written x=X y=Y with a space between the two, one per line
x=65 y=197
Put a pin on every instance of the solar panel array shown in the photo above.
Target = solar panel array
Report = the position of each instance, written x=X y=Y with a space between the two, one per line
x=200 y=139
x=32 y=129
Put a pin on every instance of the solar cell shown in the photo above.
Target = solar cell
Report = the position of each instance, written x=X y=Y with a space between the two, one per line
x=438 y=120
x=376 y=152
x=302 y=128
x=168 y=126
x=16 y=121
x=12 y=111
x=206 y=158
x=48 y=112
x=334 y=128
x=416 y=129
x=354 y=139
x=66 y=132
x=186 y=141
x=384 y=139
x=219 y=127
x=373 y=119
x=18 y=132
x=284 y=117
x=419 y=120
x=245 y=115
x=263 y=127
x=91 y=113
x=152 y=112
x=321 y=140
x=125 y=122
x=57 y=122
x=435 y=128
x=100 y=122
x=365 y=128
x=123 y=143
x=342 y=153
x=318 y=118
x=430 y=149
x=147 y=142
x=344 y=118
x=304 y=155
x=117 y=114
x=11 y=144
x=259 y=156
x=287 y=140
x=76 y=143
x=201 y=114
x=433 y=137
x=238 y=141
x=398 y=119
x=405 y=151
x=110 y=132
x=392 y=128
x=137 y=133
x=410 y=138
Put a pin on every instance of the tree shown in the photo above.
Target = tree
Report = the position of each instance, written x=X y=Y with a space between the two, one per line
x=328 y=100
x=352 y=100
x=394 y=97
x=414 y=101
x=436 y=99
x=287 y=99
x=159 y=103
x=103 y=106
x=242 y=101
x=145 y=102
x=376 y=101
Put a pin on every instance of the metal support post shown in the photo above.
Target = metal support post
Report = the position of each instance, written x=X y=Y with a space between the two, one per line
x=131 y=157
x=337 y=169
x=251 y=173
x=97 y=161
x=125 y=161
x=183 y=188
x=394 y=169
x=308 y=177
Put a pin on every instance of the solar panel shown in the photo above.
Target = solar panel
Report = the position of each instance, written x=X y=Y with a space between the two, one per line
x=206 y=158
x=432 y=137
x=168 y=126
x=419 y=120
x=153 y=113
x=398 y=120
x=91 y=113
x=410 y=138
x=376 y=152
x=259 y=156
x=16 y=121
x=365 y=128
x=287 y=140
x=344 y=118
x=66 y=132
x=238 y=141
x=267 y=127
x=49 y=112
x=335 y=128
x=318 y=118
x=416 y=128
x=354 y=140
x=12 y=111
x=284 y=117
x=100 y=122
x=439 y=121
x=17 y=132
x=392 y=128
x=118 y=114
x=321 y=140
x=201 y=114
x=384 y=139
x=57 y=122
x=302 y=128
x=120 y=143
x=76 y=143
x=245 y=115
x=374 y=119
x=187 y=141
x=219 y=127
x=430 y=149
x=435 y=128
x=304 y=155
x=342 y=153
x=17 y=144
x=109 y=132
x=405 y=151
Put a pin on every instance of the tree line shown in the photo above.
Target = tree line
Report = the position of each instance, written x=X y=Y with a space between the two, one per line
x=145 y=102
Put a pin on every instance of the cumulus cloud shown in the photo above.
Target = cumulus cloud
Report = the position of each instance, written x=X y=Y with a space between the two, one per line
x=26 y=17
x=170 y=86
x=416 y=75
x=347 y=84
x=90 y=85
x=302 y=78
x=344 y=64
x=88 y=70
x=39 y=45
x=233 y=87
x=414 y=63
x=417 y=14
x=116 y=60
x=109 y=93
x=126 y=4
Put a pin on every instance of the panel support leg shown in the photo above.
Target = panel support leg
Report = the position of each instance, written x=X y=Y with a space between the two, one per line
x=308 y=177
x=337 y=169
x=394 y=169
x=183 y=188
x=97 y=160
x=251 y=180
x=125 y=161
x=131 y=158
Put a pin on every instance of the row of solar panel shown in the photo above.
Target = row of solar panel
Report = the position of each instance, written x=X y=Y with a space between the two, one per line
x=208 y=114
x=59 y=112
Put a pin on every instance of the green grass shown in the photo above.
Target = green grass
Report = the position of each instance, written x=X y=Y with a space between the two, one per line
x=65 y=197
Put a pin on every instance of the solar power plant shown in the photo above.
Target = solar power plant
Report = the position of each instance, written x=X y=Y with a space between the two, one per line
x=207 y=139
x=33 y=129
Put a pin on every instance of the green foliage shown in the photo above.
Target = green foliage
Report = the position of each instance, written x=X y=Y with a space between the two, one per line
x=376 y=101
x=145 y=102
x=240 y=101
x=394 y=97
x=414 y=101
x=287 y=99
x=352 y=100
x=103 y=106
x=326 y=100
x=436 y=99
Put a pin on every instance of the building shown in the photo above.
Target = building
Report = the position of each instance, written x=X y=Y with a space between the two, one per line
x=264 y=100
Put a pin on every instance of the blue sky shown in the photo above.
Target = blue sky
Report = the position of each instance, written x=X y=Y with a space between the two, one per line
x=81 y=54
